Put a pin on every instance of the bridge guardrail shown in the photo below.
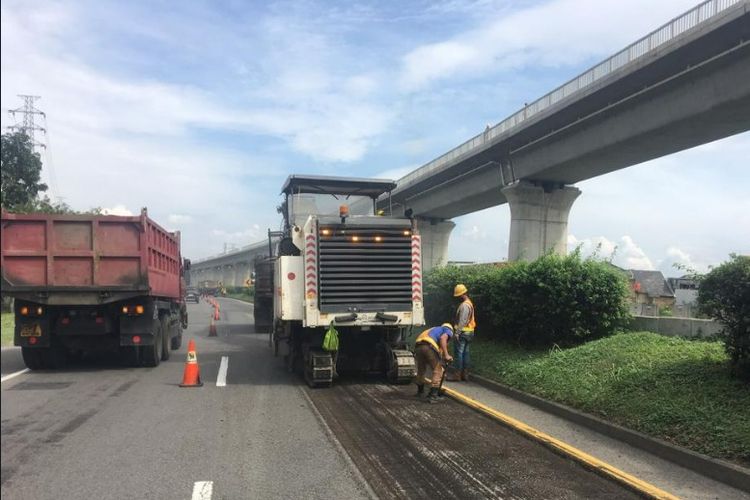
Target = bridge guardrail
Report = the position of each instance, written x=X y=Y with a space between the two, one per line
x=689 y=20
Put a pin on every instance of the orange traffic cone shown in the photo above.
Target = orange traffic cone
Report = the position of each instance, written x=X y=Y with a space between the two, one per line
x=192 y=374
x=216 y=312
x=212 y=329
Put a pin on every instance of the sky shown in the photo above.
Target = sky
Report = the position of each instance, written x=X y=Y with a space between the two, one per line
x=200 y=110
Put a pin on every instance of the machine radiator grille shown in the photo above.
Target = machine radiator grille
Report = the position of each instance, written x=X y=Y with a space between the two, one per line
x=365 y=269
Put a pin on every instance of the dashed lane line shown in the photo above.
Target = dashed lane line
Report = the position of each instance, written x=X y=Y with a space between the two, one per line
x=221 y=378
x=14 y=374
x=202 y=490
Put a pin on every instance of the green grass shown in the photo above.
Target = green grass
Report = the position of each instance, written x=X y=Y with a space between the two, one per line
x=240 y=296
x=674 y=389
x=8 y=325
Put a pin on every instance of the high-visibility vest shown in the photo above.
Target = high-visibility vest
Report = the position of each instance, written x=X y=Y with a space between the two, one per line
x=472 y=324
x=425 y=337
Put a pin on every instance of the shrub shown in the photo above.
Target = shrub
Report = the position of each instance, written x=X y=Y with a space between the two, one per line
x=724 y=294
x=561 y=300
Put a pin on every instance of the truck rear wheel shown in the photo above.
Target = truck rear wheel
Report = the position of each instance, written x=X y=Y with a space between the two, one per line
x=151 y=354
x=176 y=341
x=165 y=337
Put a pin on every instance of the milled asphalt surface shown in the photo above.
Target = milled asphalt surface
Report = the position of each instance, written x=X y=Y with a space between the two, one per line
x=675 y=479
x=408 y=448
x=101 y=432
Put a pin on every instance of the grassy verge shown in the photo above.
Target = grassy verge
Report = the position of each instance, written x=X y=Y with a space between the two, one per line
x=670 y=388
x=239 y=296
x=6 y=329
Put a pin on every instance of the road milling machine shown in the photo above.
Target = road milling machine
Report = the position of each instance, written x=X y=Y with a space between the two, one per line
x=339 y=261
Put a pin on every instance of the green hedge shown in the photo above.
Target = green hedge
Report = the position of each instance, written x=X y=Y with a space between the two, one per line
x=562 y=300
x=241 y=290
x=724 y=295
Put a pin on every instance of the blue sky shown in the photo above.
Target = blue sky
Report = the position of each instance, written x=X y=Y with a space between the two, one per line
x=199 y=110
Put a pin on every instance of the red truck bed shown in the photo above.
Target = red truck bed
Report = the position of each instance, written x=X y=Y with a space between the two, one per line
x=49 y=252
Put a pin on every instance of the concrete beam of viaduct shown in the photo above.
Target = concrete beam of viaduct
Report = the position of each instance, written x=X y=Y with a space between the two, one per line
x=700 y=105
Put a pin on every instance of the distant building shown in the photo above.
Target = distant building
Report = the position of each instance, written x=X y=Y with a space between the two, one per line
x=685 y=290
x=651 y=288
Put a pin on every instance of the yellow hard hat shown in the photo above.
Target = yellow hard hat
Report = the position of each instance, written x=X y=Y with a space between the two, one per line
x=460 y=290
x=447 y=325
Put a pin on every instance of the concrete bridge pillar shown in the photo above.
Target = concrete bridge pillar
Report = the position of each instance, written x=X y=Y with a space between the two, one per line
x=435 y=238
x=538 y=219
x=227 y=275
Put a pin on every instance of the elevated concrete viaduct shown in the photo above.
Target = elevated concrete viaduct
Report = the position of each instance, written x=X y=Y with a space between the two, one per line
x=232 y=269
x=683 y=85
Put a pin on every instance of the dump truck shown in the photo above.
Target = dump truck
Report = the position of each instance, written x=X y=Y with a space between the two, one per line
x=339 y=264
x=93 y=283
x=209 y=287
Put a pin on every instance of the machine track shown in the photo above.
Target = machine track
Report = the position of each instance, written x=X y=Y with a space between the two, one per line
x=407 y=448
x=402 y=368
x=318 y=368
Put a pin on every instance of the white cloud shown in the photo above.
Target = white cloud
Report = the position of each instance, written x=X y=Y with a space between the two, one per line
x=677 y=261
x=117 y=210
x=317 y=115
x=396 y=173
x=625 y=253
x=179 y=219
x=552 y=34
x=473 y=233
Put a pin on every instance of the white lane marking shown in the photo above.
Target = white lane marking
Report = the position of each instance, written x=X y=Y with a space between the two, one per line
x=221 y=379
x=15 y=374
x=202 y=490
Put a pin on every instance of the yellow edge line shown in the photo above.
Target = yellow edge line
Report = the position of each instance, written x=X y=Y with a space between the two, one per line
x=592 y=462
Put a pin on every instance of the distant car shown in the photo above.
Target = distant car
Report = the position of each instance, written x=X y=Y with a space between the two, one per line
x=192 y=296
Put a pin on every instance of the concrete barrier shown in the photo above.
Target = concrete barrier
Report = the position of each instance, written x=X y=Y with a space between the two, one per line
x=677 y=327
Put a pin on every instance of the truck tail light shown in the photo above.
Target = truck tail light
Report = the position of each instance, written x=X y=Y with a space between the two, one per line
x=39 y=311
x=136 y=339
x=32 y=340
x=125 y=309
x=24 y=311
x=139 y=309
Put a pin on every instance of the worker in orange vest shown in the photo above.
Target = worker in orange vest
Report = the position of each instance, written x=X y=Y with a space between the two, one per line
x=430 y=350
x=465 y=323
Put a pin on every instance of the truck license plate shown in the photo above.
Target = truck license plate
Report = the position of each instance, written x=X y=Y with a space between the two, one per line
x=33 y=330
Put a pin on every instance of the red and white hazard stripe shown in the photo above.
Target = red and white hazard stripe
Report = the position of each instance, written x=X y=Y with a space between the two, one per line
x=311 y=266
x=416 y=268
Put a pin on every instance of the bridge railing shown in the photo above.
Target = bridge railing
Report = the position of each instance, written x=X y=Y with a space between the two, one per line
x=690 y=19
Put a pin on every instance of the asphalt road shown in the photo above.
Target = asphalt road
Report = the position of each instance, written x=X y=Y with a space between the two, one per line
x=96 y=430
x=99 y=431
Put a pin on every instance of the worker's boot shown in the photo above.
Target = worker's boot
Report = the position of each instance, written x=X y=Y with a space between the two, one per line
x=465 y=375
x=420 y=390
x=452 y=376
x=434 y=396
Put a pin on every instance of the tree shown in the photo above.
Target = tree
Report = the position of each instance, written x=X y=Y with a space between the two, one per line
x=21 y=172
x=724 y=294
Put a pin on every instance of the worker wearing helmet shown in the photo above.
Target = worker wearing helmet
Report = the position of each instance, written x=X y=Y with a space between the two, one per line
x=431 y=346
x=465 y=325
